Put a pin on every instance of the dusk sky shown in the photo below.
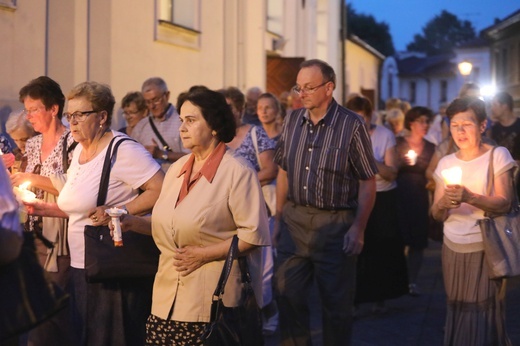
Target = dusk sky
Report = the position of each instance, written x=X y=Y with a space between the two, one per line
x=407 y=17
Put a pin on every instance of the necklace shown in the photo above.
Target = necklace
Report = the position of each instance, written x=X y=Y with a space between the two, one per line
x=95 y=149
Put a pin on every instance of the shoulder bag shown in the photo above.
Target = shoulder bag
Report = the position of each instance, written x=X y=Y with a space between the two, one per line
x=137 y=258
x=268 y=190
x=235 y=326
x=28 y=298
x=501 y=235
x=159 y=136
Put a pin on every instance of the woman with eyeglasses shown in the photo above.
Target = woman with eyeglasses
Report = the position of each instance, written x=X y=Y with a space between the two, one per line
x=43 y=103
x=134 y=109
x=107 y=313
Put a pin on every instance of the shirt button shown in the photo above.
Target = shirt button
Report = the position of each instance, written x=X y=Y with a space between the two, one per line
x=310 y=149
x=305 y=187
x=311 y=131
x=307 y=168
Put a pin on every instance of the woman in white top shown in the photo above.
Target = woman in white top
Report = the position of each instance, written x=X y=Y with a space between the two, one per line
x=103 y=313
x=476 y=313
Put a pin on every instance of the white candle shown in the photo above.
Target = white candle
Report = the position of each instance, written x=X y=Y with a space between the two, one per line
x=22 y=194
x=452 y=176
x=412 y=155
x=115 y=214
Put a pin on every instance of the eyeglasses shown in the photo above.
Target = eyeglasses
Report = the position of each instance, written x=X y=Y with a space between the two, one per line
x=78 y=115
x=28 y=112
x=129 y=113
x=155 y=101
x=307 y=90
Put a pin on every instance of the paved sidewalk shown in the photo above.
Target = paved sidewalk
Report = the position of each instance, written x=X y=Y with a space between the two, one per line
x=413 y=320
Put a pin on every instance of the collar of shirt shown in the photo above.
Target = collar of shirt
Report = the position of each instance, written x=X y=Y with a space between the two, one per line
x=170 y=111
x=208 y=170
x=328 y=119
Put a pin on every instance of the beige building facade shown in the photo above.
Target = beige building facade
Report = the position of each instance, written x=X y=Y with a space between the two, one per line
x=216 y=43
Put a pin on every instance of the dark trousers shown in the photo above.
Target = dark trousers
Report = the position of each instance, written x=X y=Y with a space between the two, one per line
x=315 y=254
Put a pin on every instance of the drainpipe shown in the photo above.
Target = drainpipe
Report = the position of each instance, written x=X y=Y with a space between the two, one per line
x=343 y=25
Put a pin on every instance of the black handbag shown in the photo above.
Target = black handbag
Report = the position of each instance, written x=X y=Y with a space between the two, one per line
x=137 y=258
x=241 y=325
x=28 y=298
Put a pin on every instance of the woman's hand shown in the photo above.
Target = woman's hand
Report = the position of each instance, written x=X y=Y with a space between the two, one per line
x=188 y=259
x=454 y=195
x=98 y=216
x=35 y=207
x=20 y=178
x=8 y=159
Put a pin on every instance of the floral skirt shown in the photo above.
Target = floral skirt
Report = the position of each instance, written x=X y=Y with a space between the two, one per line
x=173 y=333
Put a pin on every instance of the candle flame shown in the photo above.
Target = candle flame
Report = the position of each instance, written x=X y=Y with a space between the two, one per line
x=452 y=176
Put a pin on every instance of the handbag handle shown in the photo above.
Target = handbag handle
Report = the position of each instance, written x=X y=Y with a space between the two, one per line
x=107 y=166
x=226 y=270
x=491 y=182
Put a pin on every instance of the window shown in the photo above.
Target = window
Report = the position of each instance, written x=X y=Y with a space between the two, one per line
x=475 y=74
x=504 y=68
x=177 y=22
x=413 y=92
x=444 y=91
x=274 y=16
x=8 y=4
x=180 y=12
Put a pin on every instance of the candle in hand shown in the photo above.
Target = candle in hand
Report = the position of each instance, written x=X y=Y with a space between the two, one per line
x=412 y=155
x=115 y=214
x=452 y=176
x=22 y=194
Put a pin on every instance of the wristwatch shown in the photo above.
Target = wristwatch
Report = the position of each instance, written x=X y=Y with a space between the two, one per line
x=164 y=156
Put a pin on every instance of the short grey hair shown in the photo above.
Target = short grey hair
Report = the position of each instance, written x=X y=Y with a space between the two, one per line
x=154 y=81
x=17 y=121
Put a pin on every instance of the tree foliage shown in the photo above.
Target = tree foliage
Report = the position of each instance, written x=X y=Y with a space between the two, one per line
x=441 y=34
x=367 y=28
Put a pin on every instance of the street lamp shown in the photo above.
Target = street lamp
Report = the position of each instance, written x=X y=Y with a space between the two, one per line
x=465 y=68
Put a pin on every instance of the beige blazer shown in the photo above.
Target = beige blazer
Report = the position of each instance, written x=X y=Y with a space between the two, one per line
x=210 y=213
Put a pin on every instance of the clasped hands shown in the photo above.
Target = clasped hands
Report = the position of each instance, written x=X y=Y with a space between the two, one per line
x=454 y=195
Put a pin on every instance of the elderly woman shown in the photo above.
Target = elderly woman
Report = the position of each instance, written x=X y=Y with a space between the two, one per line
x=112 y=313
x=413 y=202
x=207 y=197
x=476 y=312
x=134 y=109
x=381 y=266
x=20 y=131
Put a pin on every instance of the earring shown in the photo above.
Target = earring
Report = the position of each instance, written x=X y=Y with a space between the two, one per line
x=213 y=133
x=100 y=126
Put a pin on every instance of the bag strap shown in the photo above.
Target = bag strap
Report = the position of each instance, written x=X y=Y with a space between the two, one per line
x=226 y=270
x=107 y=167
x=490 y=174
x=254 y=138
x=491 y=182
x=158 y=134
x=66 y=151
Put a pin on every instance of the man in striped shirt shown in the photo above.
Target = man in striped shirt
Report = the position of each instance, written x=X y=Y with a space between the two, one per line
x=325 y=193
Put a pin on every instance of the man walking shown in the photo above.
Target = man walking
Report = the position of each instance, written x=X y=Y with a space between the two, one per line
x=325 y=193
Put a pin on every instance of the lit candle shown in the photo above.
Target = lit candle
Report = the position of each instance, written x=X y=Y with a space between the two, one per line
x=412 y=155
x=452 y=176
x=22 y=194
x=115 y=214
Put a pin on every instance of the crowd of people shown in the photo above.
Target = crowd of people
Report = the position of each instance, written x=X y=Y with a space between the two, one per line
x=317 y=192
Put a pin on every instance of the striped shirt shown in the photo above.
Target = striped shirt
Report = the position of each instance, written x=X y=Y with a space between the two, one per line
x=324 y=162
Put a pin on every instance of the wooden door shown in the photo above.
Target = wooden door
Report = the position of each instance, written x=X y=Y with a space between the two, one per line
x=281 y=74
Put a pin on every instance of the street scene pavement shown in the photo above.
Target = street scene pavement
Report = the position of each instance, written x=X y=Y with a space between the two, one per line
x=413 y=320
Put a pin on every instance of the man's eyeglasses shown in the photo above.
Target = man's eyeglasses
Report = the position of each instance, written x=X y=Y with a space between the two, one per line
x=155 y=101
x=78 y=115
x=307 y=90
x=129 y=113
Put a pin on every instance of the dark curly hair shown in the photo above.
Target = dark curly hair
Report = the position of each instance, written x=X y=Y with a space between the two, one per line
x=416 y=112
x=215 y=111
